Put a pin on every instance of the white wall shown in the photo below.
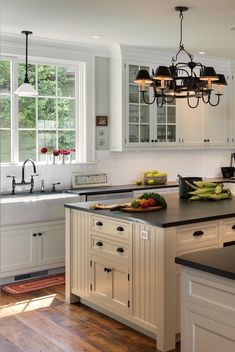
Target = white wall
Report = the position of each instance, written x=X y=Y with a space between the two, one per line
x=127 y=167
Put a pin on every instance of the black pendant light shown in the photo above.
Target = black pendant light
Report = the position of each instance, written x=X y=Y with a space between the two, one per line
x=26 y=89
x=182 y=79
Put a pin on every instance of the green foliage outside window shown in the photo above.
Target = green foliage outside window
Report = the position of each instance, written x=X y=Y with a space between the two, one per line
x=45 y=121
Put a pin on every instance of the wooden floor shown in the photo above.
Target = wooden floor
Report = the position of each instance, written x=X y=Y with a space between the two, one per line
x=41 y=321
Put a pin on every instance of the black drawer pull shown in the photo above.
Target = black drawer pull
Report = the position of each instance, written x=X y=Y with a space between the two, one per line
x=198 y=233
x=99 y=243
x=39 y=234
x=233 y=227
x=120 y=250
x=120 y=228
x=107 y=270
x=34 y=234
x=99 y=223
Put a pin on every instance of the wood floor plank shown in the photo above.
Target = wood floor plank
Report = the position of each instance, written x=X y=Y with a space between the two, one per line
x=25 y=338
x=8 y=346
x=96 y=336
x=58 y=326
x=57 y=335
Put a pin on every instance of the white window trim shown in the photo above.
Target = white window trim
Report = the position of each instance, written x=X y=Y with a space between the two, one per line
x=65 y=53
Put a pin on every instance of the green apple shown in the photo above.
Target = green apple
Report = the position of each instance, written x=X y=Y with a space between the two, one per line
x=138 y=182
x=151 y=182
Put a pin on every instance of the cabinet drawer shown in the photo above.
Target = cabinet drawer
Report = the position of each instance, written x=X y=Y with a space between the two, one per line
x=194 y=236
x=115 y=228
x=103 y=246
x=228 y=230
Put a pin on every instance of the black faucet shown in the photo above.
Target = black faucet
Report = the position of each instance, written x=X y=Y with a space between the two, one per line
x=31 y=183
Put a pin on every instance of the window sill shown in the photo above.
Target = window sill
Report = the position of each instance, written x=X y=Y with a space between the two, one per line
x=40 y=163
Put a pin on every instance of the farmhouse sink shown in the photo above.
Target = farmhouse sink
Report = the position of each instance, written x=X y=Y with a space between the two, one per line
x=25 y=208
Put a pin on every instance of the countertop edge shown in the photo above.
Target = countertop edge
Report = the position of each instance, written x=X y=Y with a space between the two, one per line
x=205 y=268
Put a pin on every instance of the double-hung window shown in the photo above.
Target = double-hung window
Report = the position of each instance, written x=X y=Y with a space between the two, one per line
x=51 y=119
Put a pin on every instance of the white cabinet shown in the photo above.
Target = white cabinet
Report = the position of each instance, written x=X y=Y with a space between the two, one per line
x=110 y=283
x=208 y=304
x=32 y=247
x=135 y=124
x=232 y=97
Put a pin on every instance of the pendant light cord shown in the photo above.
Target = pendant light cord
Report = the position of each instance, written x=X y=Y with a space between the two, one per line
x=26 y=78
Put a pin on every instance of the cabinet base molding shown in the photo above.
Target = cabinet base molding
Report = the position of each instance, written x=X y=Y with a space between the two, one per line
x=118 y=318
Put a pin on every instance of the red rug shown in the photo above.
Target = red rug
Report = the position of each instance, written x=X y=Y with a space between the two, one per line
x=35 y=284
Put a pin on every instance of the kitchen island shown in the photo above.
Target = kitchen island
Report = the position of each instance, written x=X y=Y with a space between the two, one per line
x=123 y=264
x=208 y=300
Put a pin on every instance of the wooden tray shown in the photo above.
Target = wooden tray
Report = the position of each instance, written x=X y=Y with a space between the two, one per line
x=141 y=210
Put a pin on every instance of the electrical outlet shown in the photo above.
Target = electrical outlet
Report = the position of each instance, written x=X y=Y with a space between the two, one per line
x=144 y=235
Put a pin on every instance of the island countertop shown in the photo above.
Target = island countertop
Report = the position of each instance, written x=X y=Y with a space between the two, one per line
x=178 y=212
x=219 y=261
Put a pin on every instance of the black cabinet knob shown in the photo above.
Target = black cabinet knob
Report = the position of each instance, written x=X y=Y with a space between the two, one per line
x=233 y=227
x=152 y=140
x=198 y=233
x=107 y=270
x=120 y=250
x=99 y=223
x=39 y=234
x=99 y=243
x=204 y=140
x=120 y=228
x=34 y=234
x=155 y=140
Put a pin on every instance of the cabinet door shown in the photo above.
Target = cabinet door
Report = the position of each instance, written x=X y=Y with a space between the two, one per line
x=216 y=121
x=18 y=249
x=110 y=283
x=232 y=98
x=192 y=125
x=51 y=244
x=204 y=334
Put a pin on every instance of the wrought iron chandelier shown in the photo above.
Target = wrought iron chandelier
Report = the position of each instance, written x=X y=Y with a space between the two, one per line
x=190 y=80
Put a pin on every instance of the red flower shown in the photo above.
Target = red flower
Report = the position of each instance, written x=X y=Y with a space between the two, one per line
x=44 y=150
x=65 y=152
x=56 y=152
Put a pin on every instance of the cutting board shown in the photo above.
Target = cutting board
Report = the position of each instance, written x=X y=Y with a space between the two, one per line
x=141 y=210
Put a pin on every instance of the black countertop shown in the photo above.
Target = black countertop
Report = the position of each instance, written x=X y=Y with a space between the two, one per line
x=220 y=261
x=119 y=188
x=178 y=212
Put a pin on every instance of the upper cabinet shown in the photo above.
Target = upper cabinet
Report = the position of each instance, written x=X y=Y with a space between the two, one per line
x=233 y=107
x=136 y=125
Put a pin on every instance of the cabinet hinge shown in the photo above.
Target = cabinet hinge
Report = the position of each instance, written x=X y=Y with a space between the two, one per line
x=124 y=65
x=128 y=277
x=125 y=140
x=91 y=287
x=90 y=262
x=128 y=304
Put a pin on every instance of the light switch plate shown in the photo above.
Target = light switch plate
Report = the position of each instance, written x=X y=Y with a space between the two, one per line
x=144 y=235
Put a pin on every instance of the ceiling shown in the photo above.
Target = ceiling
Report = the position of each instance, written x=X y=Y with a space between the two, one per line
x=152 y=23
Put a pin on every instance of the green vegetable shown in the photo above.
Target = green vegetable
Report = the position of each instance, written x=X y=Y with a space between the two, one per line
x=206 y=184
x=202 y=190
x=218 y=189
x=158 y=198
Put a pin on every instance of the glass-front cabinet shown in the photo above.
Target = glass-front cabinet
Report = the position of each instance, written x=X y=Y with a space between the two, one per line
x=148 y=125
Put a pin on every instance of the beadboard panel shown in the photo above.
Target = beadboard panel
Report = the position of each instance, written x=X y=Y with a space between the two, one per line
x=80 y=252
x=144 y=275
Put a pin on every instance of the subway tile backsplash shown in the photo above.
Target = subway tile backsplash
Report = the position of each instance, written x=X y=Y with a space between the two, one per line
x=127 y=167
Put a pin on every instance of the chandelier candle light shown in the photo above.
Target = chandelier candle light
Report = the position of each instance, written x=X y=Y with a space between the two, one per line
x=26 y=89
x=190 y=80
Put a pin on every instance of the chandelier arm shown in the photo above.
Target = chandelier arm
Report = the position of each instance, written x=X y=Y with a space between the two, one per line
x=203 y=98
x=218 y=100
x=165 y=98
x=182 y=69
x=192 y=107
x=159 y=105
x=147 y=102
